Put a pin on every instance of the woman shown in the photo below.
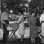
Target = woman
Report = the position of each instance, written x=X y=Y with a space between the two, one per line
x=21 y=30
x=33 y=27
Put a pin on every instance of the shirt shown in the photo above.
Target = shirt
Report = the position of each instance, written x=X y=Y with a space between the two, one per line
x=41 y=17
x=4 y=16
x=42 y=24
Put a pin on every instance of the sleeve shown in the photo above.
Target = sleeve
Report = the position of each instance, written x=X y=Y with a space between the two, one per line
x=2 y=18
x=20 y=19
x=41 y=19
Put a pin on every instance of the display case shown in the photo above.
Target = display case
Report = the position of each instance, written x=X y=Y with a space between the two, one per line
x=15 y=18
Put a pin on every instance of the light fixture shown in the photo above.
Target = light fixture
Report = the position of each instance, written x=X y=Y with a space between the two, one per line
x=0 y=11
x=11 y=11
x=5 y=6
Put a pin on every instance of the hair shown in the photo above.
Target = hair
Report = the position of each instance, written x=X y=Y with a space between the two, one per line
x=34 y=12
x=5 y=8
x=43 y=8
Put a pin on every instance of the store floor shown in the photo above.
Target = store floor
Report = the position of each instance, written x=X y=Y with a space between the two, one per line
x=25 y=41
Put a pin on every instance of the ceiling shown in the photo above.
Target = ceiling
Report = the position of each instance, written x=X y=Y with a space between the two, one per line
x=12 y=0
x=0 y=4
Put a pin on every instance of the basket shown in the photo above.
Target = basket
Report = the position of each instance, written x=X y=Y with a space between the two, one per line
x=9 y=28
x=13 y=26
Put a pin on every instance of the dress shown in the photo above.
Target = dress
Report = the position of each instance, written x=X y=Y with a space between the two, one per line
x=33 y=27
x=21 y=30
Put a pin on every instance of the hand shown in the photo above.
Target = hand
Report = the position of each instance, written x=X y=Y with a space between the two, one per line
x=2 y=22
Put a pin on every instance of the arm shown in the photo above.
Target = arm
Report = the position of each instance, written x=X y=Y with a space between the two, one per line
x=41 y=18
x=20 y=20
x=2 y=21
x=28 y=19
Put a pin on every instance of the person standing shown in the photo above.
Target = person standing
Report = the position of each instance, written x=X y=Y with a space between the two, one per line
x=33 y=27
x=5 y=23
x=21 y=30
x=42 y=27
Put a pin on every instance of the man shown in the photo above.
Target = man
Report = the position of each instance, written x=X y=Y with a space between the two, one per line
x=42 y=27
x=5 y=23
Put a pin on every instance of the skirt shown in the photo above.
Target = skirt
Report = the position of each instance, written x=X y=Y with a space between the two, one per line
x=21 y=30
x=33 y=34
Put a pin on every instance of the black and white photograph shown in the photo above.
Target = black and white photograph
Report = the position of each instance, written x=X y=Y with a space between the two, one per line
x=21 y=21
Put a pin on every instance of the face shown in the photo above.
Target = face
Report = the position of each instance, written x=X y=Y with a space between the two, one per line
x=7 y=10
x=43 y=11
x=33 y=14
